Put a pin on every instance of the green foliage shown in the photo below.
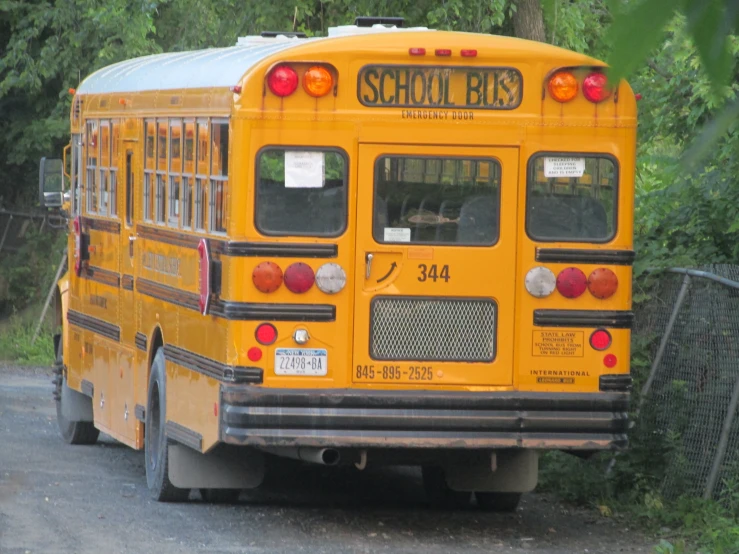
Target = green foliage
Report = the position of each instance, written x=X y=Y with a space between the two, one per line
x=15 y=343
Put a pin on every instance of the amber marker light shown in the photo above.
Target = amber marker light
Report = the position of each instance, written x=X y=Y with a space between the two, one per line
x=318 y=81
x=602 y=283
x=267 y=277
x=563 y=86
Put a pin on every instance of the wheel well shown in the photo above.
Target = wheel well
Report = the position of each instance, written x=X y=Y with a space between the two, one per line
x=58 y=315
x=156 y=342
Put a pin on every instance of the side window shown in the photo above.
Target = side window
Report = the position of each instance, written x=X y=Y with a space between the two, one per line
x=571 y=198
x=75 y=174
x=104 y=167
x=149 y=170
x=91 y=150
x=301 y=192
x=160 y=198
x=188 y=176
x=175 y=171
x=202 y=157
x=218 y=176
x=129 y=188
x=114 y=137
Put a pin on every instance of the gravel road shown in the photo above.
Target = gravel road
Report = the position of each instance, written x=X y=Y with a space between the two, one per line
x=56 y=498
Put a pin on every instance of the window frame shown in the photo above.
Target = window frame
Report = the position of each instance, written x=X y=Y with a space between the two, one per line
x=302 y=148
x=531 y=167
x=201 y=183
x=493 y=159
x=218 y=180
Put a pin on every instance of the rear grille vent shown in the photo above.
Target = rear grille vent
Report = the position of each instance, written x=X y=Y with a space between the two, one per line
x=433 y=329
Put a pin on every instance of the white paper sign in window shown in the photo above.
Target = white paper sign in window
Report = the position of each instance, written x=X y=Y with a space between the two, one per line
x=564 y=167
x=304 y=170
x=396 y=235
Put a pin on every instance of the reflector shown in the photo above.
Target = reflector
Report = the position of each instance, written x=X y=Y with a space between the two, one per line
x=609 y=360
x=254 y=354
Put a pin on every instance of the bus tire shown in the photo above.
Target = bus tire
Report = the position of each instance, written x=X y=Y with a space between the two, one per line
x=220 y=496
x=498 y=501
x=156 y=444
x=72 y=432
x=439 y=494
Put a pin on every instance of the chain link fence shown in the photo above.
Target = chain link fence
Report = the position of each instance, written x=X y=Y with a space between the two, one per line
x=690 y=397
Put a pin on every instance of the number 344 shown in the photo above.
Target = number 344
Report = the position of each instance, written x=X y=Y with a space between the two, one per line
x=431 y=272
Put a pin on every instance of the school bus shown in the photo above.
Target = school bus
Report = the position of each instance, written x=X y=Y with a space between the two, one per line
x=383 y=246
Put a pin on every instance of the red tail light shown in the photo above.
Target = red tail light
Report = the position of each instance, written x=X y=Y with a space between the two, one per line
x=267 y=277
x=266 y=334
x=443 y=52
x=571 y=282
x=299 y=277
x=282 y=80
x=600 y=339
x=602 y=283
x=595 y=87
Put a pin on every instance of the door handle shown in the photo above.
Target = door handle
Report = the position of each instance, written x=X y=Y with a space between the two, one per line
x=369 y=265
x=131 y=240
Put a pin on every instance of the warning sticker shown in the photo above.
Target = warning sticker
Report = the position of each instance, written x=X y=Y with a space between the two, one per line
x=564 y=167
x=562 y=344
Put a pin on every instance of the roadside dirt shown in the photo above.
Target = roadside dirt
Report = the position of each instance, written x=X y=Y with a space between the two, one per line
x=56 y=498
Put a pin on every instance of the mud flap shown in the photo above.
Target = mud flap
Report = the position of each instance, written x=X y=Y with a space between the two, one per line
x=75 y=405
x=503 y=471
x=223 y=468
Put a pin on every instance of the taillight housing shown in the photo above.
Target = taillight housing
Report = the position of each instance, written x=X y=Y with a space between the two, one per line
x=595 y=87
x=265 y=334
x=571 y=282
x=299 y=277
x=602 y=283
x=563 y=86
x=282 y=80
x=600 y=339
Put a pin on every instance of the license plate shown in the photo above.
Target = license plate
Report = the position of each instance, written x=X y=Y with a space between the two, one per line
x=301 y=361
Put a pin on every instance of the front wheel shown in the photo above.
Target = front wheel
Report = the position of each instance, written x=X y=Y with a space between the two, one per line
x=73 y=432
x=156 y=444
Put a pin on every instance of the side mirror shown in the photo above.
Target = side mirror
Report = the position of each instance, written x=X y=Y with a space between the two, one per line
x=51 y=183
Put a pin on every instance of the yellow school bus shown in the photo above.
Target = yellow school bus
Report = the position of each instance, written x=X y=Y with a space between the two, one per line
x=384 y=246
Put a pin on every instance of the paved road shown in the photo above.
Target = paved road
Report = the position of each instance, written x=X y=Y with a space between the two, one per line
x=56 y=498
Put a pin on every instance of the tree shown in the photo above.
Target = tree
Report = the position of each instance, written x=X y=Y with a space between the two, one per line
x=528 y=20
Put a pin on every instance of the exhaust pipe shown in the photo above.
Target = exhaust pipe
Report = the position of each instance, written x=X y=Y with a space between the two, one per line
x=321 y=456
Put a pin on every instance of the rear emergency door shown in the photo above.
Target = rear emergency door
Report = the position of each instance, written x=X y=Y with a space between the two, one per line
x=435 y=265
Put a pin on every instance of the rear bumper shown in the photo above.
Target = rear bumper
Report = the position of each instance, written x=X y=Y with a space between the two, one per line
x=350 y=418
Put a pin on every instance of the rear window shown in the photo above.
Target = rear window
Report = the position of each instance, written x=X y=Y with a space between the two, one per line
x=301 y=192
x=572 y=198
x=436 y=200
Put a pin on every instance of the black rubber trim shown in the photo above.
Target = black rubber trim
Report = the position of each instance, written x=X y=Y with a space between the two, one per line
x=212 y=368
x=620 y=383
x=140 y=412
x=244 y=311
x=97 y=326
x=185 y=436
x=87 y=388
x=423 y=419
x=127 y=282
x=102 y=225
x=241 y=248
x=100 y=275
x=581 y=256
x=169 y=294
x=141 y=341
x=584 y=318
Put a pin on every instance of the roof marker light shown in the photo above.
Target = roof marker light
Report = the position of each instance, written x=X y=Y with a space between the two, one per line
x=318 y=81
x=468 y=53
x=562 y=86
x=595 y=87
x=236 y=89
x=417 y=51
x=443 y=52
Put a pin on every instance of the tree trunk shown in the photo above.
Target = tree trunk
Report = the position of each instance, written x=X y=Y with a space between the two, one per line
x=528 y=21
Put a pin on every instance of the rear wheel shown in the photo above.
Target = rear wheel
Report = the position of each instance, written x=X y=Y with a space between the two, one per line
x=438 y=492
x=156 y=444
x=220 y=496
x=73 y=432
x=498 y=501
